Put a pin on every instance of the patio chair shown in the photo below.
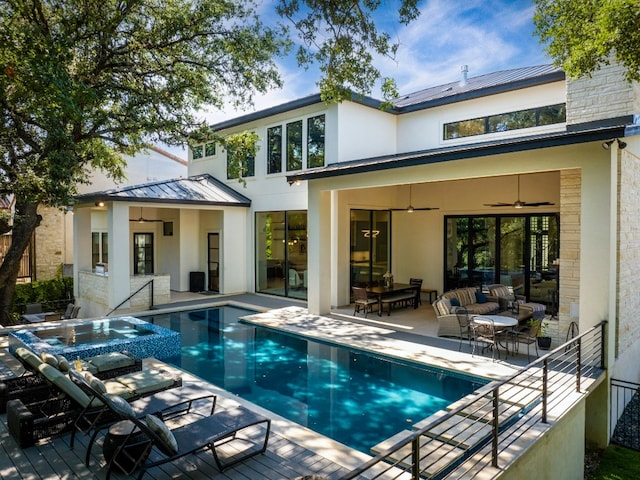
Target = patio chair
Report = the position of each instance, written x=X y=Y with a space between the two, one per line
x=151 y=443
x=68 y=310
x=529 y=337
x=417 y=282
x=33 y=308
x=96 y=415
x=464 y=322
x=361 y=301
x=485 y=335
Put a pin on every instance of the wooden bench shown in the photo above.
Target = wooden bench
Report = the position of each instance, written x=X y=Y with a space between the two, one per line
x=391 y=300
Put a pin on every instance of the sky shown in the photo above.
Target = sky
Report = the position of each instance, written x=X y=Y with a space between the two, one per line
x=487 y=36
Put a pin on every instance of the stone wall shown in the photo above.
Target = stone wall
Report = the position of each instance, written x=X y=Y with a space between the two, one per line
x=605 y=95
x=93 y=289
x=50 y=248
x=628 y=281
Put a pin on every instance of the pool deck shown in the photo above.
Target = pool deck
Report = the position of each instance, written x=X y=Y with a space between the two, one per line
x=293 y=450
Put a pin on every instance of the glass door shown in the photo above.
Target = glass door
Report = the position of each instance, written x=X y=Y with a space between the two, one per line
x=370 y=246
x=214 y=262
x=512 y=256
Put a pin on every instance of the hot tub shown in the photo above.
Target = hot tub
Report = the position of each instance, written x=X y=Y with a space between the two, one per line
x=87 y=338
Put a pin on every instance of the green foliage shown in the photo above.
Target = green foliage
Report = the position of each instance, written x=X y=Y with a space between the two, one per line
x=241 y=147
x=342 y=37
x=44 y=291
x=617 y=463
x=582 y=35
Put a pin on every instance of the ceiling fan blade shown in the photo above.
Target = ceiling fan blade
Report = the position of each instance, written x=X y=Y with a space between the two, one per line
x=144 y=220
x=426 y=208
x=414 y=209
x=537 y=204
x=498 y=204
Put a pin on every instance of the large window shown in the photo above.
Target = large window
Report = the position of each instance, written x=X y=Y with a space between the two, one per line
x=99 y=248
x=274 y=149
x=519 y=251
x=281 y=253
x=315 y=141
x=533 y=117
x=143 y=253
x=370 y=246
x=294 y=145
x=247 y=169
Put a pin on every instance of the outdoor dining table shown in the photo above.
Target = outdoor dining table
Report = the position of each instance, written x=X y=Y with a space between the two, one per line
x=500 y=322
x=381 y=291
x=35 y=317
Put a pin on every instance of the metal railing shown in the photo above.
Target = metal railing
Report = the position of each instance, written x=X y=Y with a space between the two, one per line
x=150 y=282
x=472 y=435
x=625 y=413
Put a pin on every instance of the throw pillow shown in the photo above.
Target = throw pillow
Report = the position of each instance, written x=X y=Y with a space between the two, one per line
x=48 y=358
x=95 y=383
x=454 y=302
x=63 y=364
x=157 y=426
x=120 y=406
x=480 y=297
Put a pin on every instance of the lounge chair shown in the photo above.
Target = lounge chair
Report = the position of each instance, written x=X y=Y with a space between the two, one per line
x=150 y=443
x=31 y=421
x=32 y=386
x=96 y=415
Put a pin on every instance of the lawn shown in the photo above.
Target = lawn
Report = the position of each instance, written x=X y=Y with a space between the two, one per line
x=617 y=463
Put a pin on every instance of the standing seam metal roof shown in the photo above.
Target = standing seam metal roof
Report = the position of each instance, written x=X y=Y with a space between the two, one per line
x=201 y=189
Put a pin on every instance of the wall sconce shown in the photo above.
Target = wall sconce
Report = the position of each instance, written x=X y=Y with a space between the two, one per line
x=607 y=145
x=100 y=203
x=295 y=182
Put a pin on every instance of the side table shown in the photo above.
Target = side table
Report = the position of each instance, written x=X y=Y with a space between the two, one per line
x=119 y=432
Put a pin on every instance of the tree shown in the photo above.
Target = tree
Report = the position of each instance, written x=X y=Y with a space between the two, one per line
x=582 y=35
x=84 y=81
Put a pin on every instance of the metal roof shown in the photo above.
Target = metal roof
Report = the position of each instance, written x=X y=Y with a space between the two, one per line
x=489 y=84
x=199 y=189
x=482 y=85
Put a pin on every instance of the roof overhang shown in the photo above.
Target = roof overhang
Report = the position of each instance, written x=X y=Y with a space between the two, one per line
x=474 y=150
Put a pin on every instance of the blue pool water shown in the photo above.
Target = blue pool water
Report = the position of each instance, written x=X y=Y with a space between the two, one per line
x=356 y=398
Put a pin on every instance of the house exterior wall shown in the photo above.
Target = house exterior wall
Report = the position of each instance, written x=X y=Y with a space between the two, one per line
x=423 y=129
x=626 y=326
x=606 y=94
x=51 y=243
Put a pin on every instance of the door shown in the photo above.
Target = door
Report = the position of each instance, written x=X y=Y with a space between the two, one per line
x=214 y=262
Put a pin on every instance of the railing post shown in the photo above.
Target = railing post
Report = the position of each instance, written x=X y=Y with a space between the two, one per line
x=579 y=363
x=545 y=375
x=415 y=458
x=602 y=343
x=496 y=428
x=151 y=299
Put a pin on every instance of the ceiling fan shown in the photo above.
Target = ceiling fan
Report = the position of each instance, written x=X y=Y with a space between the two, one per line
x=141 y=219
x=518 y=203
x=411 y=208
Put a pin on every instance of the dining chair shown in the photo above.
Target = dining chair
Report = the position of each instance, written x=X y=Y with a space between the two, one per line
x=361 y=301
x=485 y=334
x=529 y=337
x=417 y=282
x=464 y=322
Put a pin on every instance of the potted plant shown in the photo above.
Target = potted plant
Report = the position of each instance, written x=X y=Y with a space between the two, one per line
x=544 y=340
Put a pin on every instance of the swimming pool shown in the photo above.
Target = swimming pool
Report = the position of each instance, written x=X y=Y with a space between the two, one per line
x=356 y=398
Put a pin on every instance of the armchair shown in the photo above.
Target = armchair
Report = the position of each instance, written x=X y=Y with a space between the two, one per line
x=508 y=301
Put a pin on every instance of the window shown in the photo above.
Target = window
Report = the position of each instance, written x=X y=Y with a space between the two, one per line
x=247 y=168
x=210 y=149
x=274 y=149
x=196 y=152
x=315 y=141
x=294 y=145
x=503 y=122
x=143 y=253
x=370 y=246
x=99 y=248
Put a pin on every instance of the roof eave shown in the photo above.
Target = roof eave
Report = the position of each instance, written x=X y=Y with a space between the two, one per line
x=460 y=152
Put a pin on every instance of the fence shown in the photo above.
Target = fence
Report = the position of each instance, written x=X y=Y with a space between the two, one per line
x=625 y=413
x=476 y=431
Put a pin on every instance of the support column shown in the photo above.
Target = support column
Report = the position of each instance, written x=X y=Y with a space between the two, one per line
x=82 y=248
x=233 y=241
x=319 y=252
x=120 y=247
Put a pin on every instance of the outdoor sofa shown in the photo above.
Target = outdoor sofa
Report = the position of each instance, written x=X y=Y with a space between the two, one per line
x=470 y=298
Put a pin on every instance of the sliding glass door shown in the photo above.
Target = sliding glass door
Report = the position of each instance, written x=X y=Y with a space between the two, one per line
x=519 y=251
x=370 y=246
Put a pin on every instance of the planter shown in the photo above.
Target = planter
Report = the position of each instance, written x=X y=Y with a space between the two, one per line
x=544 y=343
